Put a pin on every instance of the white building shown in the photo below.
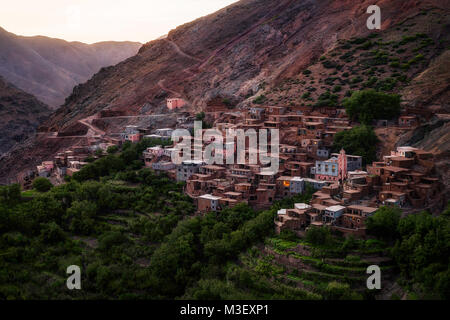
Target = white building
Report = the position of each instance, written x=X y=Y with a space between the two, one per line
x=187 y=168
x=333 y=213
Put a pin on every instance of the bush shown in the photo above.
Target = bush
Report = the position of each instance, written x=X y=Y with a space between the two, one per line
x=383 y=224
x=260 y=99
x=327 y=99
x=112 y=149
x=369 y=104
x=318 y=235
x=360 y=140
x=42 y=184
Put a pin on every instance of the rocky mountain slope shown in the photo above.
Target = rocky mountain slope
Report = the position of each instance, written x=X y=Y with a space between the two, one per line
x=20 y=114
x=49 y=68
x=258 y=51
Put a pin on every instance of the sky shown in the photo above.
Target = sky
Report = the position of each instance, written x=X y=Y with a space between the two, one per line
x=92 y=21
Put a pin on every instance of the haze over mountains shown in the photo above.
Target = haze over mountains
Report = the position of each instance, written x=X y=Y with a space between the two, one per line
x=20 y=114
x=49 y=68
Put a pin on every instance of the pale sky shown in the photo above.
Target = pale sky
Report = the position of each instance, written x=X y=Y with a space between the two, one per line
x=102 y=20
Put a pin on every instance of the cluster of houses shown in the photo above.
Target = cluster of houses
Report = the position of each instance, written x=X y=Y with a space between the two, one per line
x=344 y=196
x=68 y=162
x=404 y=179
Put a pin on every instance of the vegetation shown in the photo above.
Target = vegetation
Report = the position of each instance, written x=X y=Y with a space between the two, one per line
x=368 y=105
x=360 y=140
x=42 y=184
x=260 y=99
x=422 y=252
x=383 y=224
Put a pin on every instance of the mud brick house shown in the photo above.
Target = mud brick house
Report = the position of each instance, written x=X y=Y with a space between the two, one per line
x=164 y=132
x=408 y=121
x=345 y=219
x=214 y=171
x=337 y=167
x=295 y=219
x=208 y=202
x=406 y=177
x=256 y=113
x=152 y=154
x=298 y=168
x=175 y=103
x=188 y=168
x=131 y=133
x=163 y=166
x=289 y=186
x=215 y=108
x=333 y=213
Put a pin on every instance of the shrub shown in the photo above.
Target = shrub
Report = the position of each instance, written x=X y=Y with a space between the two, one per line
x=112 y=149
x=384 y=223
x=318 y=235
x=42 y=184
x=260 y=99
x=360 y=140
x=368 y=105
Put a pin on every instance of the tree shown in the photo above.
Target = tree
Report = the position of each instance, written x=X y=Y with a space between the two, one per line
x=360 y=140
x=369 y=104
x=81 y=217
x=318 y=235
x=200 y=116
x=384 y=223
x=422 y=253
x=112 y=149
x=52 y=233
x=42 y=184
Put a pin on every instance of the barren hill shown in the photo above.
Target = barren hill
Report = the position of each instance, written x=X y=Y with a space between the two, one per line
x=20 y=115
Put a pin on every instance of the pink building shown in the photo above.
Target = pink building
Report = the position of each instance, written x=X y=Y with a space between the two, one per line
x=175 y=103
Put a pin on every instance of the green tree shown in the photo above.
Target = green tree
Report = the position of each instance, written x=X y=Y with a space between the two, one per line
x=384 y=223
x=368 y=105
x=318 y=235
x=360 y=140
x=112 y=149
x=42 y=184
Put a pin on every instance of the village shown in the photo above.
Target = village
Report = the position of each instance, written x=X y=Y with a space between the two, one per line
x=345 y=192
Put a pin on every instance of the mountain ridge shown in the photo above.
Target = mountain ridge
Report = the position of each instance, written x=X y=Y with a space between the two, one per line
x=49 y=67
x=21 y=114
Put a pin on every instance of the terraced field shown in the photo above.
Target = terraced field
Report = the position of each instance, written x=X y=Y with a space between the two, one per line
x=319 y=272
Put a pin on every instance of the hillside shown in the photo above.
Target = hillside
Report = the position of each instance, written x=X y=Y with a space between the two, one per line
x=20 y=115
x=49 y=68
x=257 y=51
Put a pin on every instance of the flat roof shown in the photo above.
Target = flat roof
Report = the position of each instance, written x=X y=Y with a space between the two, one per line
x=335 y=208
x=301 y=206
x=210 y=197
x=395 y=169
x=363 y=208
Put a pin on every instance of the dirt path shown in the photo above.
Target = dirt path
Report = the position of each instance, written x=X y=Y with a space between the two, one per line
x=87 y=122
x=180 y=52
x=163 y=87
x=139 y=116
x=273 y=15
